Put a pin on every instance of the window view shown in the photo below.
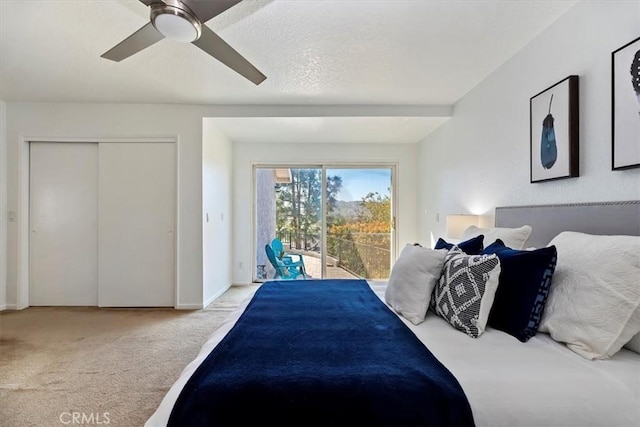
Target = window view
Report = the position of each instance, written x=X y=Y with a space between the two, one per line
x=359 y=221
x=289 y=223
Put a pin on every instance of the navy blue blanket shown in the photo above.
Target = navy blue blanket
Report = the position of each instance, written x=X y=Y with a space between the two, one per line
x=324 y=352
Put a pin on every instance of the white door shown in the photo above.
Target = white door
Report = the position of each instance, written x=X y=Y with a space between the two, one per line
x=63 y=268
x=136 y=228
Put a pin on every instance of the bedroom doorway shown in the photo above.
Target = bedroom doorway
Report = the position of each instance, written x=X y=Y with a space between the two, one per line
x=337 y=222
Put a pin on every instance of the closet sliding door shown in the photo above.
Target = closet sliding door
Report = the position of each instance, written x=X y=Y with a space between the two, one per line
x=63 y=211
x=102 y=220
x=136 y=227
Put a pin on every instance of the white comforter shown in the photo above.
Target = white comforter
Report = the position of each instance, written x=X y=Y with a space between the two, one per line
x=508 y=383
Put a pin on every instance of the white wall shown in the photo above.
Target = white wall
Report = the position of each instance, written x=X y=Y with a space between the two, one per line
x=480 y=159
x=244 y=155
x=184 y=123
x=3 y=205
x=111 y=121
x=217 y=246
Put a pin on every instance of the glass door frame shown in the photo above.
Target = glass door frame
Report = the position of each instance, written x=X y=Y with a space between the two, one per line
x=393 y=166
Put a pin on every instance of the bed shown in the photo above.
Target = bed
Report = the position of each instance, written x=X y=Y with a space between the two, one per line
x=507 y=382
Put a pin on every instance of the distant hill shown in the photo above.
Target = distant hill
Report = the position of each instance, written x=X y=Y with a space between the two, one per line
x=348 y=210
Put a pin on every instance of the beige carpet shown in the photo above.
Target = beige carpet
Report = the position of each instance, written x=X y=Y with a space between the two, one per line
x=55 y=361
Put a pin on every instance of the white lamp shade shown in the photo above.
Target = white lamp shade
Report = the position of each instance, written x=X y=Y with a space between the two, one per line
x=457 y=224
x=175 y=28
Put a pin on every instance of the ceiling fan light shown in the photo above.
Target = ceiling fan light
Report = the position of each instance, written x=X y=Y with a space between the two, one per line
x=175 y=24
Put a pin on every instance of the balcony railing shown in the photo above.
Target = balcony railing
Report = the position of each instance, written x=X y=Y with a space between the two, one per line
x=361 y=253
x=366 y=255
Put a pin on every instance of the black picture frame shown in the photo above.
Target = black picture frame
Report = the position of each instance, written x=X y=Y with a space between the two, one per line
x=625 y=106
x=549 y=149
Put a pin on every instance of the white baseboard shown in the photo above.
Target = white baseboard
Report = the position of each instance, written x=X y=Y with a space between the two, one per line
x=206 y=303
x=3 y=307
x=216 y=295
x=188 y=307
x=9 y=307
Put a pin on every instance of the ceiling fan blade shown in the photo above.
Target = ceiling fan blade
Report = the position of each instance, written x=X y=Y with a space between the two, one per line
x=144 y=37
x=207 y=9
x=211 y=43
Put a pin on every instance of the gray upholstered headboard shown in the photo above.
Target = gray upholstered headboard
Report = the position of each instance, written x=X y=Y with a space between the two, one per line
x=546 y=221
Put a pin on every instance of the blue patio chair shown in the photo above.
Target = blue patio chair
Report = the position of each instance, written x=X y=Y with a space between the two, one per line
x=286 y=271
x=278 y=248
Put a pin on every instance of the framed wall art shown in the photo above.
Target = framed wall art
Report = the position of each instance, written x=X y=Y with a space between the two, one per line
x=554 y=132
x=625 y=106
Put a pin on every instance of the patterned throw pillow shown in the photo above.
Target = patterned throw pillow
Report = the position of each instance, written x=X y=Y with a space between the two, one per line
x=465 y=292
x=525 y=281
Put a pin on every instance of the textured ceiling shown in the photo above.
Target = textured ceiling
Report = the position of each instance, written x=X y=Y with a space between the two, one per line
x=390 y=52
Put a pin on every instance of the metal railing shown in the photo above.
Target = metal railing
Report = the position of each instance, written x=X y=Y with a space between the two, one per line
x=307 y=242
x=366 y=255
x=362 y=254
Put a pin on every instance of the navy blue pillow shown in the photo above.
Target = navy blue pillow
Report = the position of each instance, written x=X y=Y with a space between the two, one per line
x=472 y=246
x=525 y=280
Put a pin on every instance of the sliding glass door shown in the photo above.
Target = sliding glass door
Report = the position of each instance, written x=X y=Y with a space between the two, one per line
x=336 y=222
x=359 y=222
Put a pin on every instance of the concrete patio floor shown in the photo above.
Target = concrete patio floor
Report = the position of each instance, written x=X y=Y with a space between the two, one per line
x=313 y=265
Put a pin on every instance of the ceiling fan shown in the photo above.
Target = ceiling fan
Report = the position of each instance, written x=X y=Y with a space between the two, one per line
x=183 y=21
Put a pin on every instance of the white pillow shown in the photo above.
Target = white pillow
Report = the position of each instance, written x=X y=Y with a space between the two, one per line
x=513 y=238
x=594 y=302
x=413 y=277
x=634 y=344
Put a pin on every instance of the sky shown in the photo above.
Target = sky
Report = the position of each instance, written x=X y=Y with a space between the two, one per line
x=357 y=183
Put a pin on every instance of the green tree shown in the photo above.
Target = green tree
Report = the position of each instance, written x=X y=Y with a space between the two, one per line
x=377 y=208
x=299 y=205
x=334 y=185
